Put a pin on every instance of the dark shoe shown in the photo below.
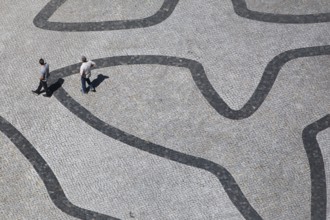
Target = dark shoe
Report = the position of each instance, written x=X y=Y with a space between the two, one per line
x=36 y=92
x=93 y=90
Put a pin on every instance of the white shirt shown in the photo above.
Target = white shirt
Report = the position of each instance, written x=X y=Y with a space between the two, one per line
x=85 y=69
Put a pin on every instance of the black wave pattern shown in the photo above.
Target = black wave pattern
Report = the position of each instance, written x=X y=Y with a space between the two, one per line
x=316 y=164
x=200 y=78
x=313 y=151
x=226 y=179
x=242 y=10
x=41 y=19
x=53 y=187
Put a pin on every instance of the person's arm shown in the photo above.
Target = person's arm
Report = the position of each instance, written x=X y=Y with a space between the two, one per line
x=93 y=64
x=42 y=74
x=82 y=72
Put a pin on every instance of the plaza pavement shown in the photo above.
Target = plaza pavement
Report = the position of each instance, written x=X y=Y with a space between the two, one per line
x=203 y=111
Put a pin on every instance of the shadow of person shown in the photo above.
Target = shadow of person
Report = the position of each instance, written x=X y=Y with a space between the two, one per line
x=100 y=78
x=55 y=86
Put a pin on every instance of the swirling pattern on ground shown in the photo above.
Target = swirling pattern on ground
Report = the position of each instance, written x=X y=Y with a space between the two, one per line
x=226 y=179
x=242 y=10
x=316 y=164
x=41 y=19
x=200 y=78
x=198 y=74
x=318 y=187
x=46 y=174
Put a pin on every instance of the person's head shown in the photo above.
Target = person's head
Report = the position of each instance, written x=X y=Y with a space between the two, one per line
x=83 y=59
x=41 y=61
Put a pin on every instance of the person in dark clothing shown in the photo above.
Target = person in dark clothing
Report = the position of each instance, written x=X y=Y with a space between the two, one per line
x=44 y=74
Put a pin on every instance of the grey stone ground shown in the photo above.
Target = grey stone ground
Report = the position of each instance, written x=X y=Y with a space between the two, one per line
x=264 y=152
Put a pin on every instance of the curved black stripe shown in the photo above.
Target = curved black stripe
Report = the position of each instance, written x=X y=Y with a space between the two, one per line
x=205 y=87
x=53 y=187
x=316 y=164
x=241 y=10
x=228 y=182
x=199 y=76
x=41 y=19
x=270 y=74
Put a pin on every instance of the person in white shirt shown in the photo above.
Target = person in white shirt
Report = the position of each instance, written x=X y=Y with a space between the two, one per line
x=85 y=74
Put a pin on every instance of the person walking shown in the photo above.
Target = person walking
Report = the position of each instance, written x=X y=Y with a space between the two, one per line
x=44 y=75
x=85 y=74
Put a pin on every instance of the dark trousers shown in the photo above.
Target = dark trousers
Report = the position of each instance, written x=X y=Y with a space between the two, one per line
x=42 y=84
x=83 y=84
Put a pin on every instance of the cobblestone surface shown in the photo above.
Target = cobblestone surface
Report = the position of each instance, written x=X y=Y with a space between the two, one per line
x=203 y=110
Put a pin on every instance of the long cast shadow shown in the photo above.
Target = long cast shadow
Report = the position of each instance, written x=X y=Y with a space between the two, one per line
x=55 y=86
x=41 y=19
x=99 y=79
x=46 y=174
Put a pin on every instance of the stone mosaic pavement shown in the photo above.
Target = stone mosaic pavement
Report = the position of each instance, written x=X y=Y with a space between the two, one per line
x=204 y=110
